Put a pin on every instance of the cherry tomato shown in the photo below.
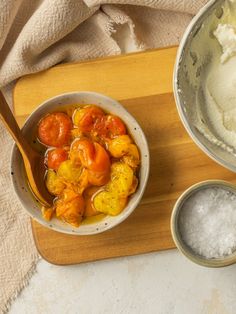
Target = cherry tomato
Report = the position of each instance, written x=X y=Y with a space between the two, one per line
x=92 y=155
x=55 y=157
x=114 y=126
x=94 y=158
x=55 y=129
x=108 y=127
x=88 y=197
x=86 y=117
x=71 y=211
x=98 y=178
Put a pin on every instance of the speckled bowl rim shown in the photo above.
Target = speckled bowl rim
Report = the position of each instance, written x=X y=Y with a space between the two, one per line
x=183 y=248
x=73 y=230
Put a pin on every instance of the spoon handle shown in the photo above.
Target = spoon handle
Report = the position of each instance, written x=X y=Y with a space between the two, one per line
x=11 y=125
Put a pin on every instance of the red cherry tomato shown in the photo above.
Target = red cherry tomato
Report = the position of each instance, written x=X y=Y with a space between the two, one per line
x=109 y=127
x=55 y=129
x=55 y=157
x=85 y=118
x=114 y=126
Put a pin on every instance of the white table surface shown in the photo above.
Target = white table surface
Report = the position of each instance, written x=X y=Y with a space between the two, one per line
x=158 y=283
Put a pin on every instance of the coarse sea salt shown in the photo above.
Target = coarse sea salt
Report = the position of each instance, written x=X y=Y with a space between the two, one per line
x=207 y=222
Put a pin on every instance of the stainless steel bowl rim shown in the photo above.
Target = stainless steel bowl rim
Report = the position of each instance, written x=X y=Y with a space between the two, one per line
x=178 y=102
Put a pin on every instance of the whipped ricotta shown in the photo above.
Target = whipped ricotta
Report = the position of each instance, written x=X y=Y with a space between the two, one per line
x=226 y=36
x=220 y=87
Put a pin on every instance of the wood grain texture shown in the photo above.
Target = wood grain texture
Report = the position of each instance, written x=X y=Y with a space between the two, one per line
x=123 y=77
x=143 y=84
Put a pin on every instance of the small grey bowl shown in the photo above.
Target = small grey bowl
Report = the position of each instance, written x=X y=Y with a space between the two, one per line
x=20 y=182
x=175 y=226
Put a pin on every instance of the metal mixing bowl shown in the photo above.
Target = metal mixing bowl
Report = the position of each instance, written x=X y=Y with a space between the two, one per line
x=194 y=55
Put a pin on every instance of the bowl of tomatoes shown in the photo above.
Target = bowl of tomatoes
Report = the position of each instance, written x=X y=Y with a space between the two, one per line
x=96 y=162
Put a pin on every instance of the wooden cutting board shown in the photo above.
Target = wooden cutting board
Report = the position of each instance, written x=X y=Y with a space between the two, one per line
x=142 y=82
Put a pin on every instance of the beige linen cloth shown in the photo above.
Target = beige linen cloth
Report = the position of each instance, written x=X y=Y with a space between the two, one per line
x=35 y=35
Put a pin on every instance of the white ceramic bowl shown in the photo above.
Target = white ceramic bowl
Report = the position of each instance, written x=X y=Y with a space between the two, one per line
x=18 y=173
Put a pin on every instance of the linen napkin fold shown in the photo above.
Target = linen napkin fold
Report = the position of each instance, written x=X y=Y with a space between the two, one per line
x=35 y=35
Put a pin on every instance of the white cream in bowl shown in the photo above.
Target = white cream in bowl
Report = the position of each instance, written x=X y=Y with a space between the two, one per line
x=219 y=83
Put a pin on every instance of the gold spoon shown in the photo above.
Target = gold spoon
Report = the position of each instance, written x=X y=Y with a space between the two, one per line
x=33 y=161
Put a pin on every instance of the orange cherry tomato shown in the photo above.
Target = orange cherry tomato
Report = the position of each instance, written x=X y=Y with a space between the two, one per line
x=94 y=158
x=88 y=197
x=55 y=129
x=92 y=155
x=55 y=157
x=98 y=178
x=85 y=118
x=71 y=211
